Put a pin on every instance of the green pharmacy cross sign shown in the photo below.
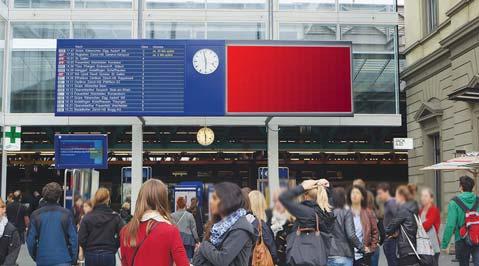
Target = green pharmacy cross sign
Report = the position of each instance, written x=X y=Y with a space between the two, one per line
x=13 y=138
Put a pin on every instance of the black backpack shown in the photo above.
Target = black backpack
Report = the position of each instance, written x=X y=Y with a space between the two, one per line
x=6 y=241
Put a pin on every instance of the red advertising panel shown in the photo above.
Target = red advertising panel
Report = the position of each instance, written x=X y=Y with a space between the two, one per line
x=289 y=79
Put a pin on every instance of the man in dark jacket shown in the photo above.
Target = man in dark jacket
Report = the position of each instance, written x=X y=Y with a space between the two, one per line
x=390 y=211
x=17 y=214
x=52 y=236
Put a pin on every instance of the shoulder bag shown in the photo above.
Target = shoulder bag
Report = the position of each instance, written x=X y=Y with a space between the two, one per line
x=308 y=247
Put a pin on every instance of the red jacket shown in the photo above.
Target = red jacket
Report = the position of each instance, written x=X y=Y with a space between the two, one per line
x=162 y=247
x=433 y=218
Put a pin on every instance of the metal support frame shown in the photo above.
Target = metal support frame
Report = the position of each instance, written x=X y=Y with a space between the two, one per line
x=136 y=162
x=273 y=157
x=4 y=168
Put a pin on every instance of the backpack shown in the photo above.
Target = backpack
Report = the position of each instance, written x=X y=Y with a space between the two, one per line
x=470 y=230
x=261 y=254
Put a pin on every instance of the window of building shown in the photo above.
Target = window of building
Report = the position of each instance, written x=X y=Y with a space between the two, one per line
x=307 y=4
x=374 y=67
x=2 y=55
x=102 y=30
x=236 y=30
x=235 y=4
x=367 y=5
x=176 y=4
x=175 y=30
x=102 y=3
x=42 y=3
x=431 y=15
x=33 y=65
x=307 y=31
x=436 y=156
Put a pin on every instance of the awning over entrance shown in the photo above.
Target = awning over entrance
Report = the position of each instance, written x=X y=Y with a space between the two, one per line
x=467 y=93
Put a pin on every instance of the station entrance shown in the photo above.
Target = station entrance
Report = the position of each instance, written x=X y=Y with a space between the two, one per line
x=174 y=156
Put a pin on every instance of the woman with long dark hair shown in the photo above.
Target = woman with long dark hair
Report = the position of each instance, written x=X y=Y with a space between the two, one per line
x=150 y=238
x=344 y=238
x=229 y=237
x=365 y=225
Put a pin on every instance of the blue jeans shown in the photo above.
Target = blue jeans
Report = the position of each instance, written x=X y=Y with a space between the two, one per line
x=389 y=247
x=100 y=258
x=375 y=257
x=464 y=252
x=340 y=261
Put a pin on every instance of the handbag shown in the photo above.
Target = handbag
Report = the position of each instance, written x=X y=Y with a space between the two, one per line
x=261 y=255
x=423 y=249
x=308 y=247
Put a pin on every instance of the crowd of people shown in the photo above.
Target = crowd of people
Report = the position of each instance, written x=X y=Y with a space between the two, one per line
x=310 y=224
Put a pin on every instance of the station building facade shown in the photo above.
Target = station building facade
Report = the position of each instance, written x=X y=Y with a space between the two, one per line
x=442 y=88
x=29 y=30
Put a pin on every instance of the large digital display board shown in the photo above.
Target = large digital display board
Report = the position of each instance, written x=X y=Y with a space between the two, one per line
x=140 y=77
x=272 y=78
x=81 y=151
x=203 y=78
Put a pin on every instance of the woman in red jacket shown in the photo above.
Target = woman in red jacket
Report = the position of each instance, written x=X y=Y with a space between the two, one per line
x=431 y=220
x=150 y=238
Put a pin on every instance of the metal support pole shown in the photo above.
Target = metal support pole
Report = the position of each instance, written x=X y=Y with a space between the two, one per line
x=136 y=162
x=273 y=159
x=4 y=168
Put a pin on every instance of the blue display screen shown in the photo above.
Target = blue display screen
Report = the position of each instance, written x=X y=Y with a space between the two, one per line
x=140 y=78
x=81 y=151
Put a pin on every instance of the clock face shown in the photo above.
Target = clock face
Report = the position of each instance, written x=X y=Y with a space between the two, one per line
x=205 y=136
x=205 y=61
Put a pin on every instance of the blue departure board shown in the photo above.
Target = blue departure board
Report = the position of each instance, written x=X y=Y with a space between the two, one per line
x=140 y=78
x=81 y=151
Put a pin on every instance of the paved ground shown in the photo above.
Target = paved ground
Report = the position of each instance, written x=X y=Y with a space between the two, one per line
x=25 y=260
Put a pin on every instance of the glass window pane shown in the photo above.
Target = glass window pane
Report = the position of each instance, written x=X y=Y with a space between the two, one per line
x=367 y=5
x=306 y=31
x=175 y=30
x=102 y=3
x=370 y=38
x=102 y=30
x=235 y=4
x=32 y=81
x=42 y=4
x=374 y=67
x=236 y=31
x=2 y=54
x=307 y=4
x=180 y=4
x=40 y=30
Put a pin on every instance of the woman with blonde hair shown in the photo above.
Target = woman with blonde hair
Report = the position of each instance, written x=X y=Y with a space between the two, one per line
x=150 y=238
x=313 y=212
x=258 y=218
x=99 y=231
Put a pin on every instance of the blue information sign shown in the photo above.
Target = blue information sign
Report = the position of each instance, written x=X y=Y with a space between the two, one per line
x=140 y=77
x=81 y=151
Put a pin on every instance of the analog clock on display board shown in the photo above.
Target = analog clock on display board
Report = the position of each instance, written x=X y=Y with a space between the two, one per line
x=205 y=61
x=205 y=136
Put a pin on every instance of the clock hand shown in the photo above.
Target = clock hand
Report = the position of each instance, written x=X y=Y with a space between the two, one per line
x=206 y=61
